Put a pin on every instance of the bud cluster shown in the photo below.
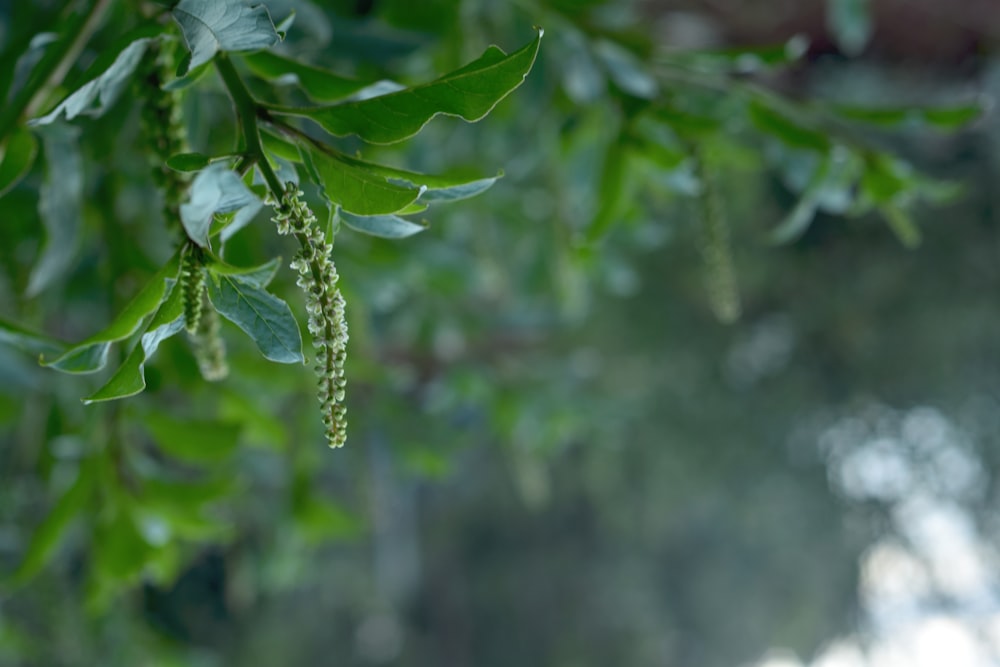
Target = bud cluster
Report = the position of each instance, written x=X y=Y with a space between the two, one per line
x=192 y=287
x=209 y=348
x=324 y=304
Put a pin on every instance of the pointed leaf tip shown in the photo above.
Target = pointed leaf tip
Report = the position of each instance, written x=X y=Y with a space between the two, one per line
x=469 y=92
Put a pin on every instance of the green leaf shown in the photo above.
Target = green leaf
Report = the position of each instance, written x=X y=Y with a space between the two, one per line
x=279 y=147
x=59 y=203
x=614 y=190
x=28 y=341
x=952 y=118
x=196 y=441
x=130 y=378
x=17 y=157
x=433 y=188
x=48 y=535
x=210 y=26
x=91 y=354
x=742 y=59
x=181 y=504
x=321 y=519
x=885 y=179
x=319 y=85
x=187 y=524
x=95 y=96
x=216 y=189
x=902 y=225
x=188 y=161
x=264 y=317
x=285 y=24
x=685 y=124
x=850 y=23
x=470 y=93
x=664 y=156
x=798 y=220
x=356 y=188
x=187 y=493
x=258 y=276
x=188 y=79
x=786 y=129
x=887 y=116
x=384 y=226
x=945 y=118
x=120 y=552
x=626 y=70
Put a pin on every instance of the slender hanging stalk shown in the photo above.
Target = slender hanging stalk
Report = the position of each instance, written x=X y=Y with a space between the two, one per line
x=162 y=122
x=208 y=346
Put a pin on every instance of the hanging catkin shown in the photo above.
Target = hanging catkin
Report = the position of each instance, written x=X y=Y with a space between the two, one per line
x=716 y=244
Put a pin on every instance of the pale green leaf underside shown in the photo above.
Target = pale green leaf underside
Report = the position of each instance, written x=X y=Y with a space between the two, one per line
x=264 y=317
x=216 y=189
x=91 y=354
x=435 y=188
x=469 y=93
x=60 y=200
x=130 y=378
x=383 y=226
x=850 y=22
x=95 y=96
x=210 y=26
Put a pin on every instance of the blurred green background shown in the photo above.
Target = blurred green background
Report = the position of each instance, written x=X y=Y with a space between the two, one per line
x=557 y=456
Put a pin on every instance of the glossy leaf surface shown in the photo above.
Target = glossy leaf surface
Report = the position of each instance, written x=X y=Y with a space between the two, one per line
x=469 y=93
x=264 y=317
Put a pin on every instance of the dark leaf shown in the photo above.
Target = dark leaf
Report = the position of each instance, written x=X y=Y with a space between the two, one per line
x=16 y=159
x=264 y=317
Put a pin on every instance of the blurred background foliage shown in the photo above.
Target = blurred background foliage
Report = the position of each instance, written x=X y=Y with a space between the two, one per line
x=560 y=453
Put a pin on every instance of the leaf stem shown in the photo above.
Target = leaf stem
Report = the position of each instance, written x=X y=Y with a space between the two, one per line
x=246 y=111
